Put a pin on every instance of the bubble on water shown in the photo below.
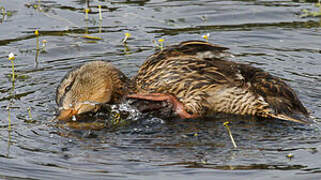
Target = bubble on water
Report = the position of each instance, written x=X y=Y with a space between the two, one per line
x=153 y=121
x=157 y=120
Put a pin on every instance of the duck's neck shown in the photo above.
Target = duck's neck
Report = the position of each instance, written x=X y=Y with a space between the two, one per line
x=121 y=86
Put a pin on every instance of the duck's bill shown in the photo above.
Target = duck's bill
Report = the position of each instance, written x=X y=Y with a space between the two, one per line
x=79 y=108
x=66 y=114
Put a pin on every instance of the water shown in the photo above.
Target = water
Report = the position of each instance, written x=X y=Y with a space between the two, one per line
x=267 y=34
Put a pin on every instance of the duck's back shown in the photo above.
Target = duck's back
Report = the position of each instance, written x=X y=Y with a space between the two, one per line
x=196 y=73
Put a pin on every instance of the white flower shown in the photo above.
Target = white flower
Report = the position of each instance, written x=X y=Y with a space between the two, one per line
x=11 y=56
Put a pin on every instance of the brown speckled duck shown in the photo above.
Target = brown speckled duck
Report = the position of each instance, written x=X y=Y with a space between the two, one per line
x=196 y=79
x=192 y=76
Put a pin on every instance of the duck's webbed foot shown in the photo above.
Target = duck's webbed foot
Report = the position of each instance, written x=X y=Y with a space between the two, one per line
x=178 y=107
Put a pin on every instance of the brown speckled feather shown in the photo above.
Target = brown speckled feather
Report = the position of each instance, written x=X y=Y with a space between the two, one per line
x=196 y=73
x=275 y=91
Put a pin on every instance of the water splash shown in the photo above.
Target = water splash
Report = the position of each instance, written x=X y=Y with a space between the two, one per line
x=125 y=108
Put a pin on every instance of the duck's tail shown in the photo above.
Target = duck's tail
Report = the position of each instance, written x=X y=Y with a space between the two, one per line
x=294 y=118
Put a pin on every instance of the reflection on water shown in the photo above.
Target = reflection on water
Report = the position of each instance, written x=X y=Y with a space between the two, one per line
x=267 y=34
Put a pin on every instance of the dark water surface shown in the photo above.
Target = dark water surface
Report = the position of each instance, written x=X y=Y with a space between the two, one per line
x=267 y=34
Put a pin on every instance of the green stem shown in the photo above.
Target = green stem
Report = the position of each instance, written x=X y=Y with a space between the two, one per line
x=9 y=120
x=100 y=16
x=230 y=133
x=232 y=139
x=13 y=75
x=29 y=112
x=37 y=42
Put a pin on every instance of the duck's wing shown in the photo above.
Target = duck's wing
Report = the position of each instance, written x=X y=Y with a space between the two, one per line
x=198 y=49
x=191 y=80
x=202 y=49
x=280 y=97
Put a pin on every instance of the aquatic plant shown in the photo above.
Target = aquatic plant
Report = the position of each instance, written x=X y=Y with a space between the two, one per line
x=86 y=13
x=12 y=57
x=3 y=11
x=44 y=43
x=307 y=13
x=226 y=124
x=37 y=38
x=127 y=35
x=159 y=44
x=116 y=119
x=206 y=36
x=290 y=156
x=29 y=113
x=91 y=37
x=100 y=15
x=9 y=119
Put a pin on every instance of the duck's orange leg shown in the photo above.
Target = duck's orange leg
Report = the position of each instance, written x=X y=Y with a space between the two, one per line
x=177 y=106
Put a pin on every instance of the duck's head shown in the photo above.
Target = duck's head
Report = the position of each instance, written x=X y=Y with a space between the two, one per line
x=86 y=88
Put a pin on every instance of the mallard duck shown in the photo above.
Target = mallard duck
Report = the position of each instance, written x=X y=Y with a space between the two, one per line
x=195 y=77
x=86 y=88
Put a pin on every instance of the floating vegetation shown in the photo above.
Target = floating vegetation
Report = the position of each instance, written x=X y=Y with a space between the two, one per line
x=307 y=13
x=91 y=37
x=159 y=44
x=4 y=13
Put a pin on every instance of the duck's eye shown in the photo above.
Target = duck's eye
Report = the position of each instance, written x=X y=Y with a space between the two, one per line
x=68 y=88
